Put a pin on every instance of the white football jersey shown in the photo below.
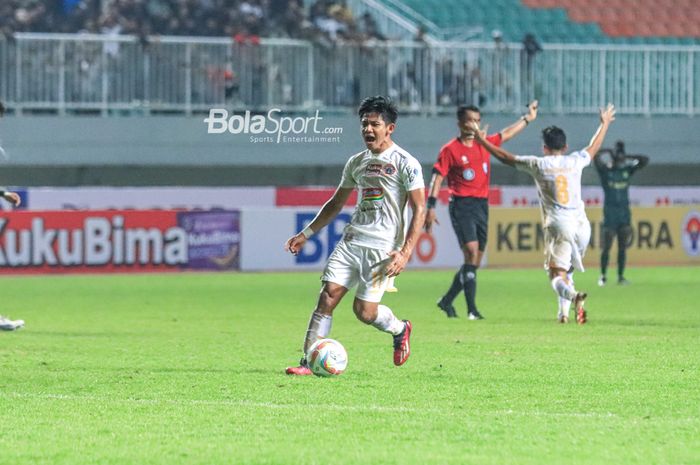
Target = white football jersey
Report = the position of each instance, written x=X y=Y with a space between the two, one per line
x=558 y=180
x=383 y=181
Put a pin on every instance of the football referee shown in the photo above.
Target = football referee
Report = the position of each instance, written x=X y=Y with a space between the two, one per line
x=467 y=166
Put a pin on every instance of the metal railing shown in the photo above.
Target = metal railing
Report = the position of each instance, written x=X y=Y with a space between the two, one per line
x=391 y=24
x=52 y=72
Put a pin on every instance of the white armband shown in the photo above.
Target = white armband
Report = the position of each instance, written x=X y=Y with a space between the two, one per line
x=307 y=232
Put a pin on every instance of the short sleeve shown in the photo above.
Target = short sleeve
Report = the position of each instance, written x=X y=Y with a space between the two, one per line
x=583 y=158
x=495 y=139
x=347 y=179
x=442 y=165
x=527 y=163
x=412 y=175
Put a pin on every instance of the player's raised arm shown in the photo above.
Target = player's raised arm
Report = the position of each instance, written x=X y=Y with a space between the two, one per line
x=517 y=127
x=503 y=155
x=325 y=215
x=607 y=116
x=642 y=160
x=399 y=258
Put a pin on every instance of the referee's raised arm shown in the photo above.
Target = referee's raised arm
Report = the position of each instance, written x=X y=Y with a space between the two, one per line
x=433 y=193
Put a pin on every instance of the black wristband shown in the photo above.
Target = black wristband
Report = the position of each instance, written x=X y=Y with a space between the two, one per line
x=525 y=119
x=431 y=202
x=2 y=193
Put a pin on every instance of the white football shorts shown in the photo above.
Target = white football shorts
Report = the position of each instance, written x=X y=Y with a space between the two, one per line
x=351 y=265
x=564 y=247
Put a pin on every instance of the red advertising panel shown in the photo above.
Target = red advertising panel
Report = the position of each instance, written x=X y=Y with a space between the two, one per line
x=118 y=241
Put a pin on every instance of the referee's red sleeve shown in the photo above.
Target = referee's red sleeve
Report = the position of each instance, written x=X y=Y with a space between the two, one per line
x=442 y=165
x=495 y=139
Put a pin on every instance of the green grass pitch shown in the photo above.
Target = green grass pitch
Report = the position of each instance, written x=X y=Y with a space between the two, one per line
x=180 y=369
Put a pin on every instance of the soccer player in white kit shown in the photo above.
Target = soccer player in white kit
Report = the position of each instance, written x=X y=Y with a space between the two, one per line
x=13 y=197
x=566 y=227
x=7 y=324
x=375 y=244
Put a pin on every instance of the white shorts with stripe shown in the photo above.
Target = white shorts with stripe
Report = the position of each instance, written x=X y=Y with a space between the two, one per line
x=351 y=265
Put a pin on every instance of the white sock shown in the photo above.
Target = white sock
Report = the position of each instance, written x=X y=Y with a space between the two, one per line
x=319 y=327
x=564 y=306
x=563 y=289
x=386 y=321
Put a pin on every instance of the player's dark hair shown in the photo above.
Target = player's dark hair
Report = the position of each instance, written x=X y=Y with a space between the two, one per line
x=383 y=106
x=463 y=109
x=554 y=138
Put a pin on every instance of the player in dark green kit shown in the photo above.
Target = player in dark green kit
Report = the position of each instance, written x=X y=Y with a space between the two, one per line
x=615 y=172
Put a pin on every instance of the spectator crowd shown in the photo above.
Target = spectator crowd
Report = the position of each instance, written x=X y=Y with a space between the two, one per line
x=244 y=20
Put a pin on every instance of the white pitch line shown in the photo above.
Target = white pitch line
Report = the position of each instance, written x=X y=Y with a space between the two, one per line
x=559 y=414
x=272 y=405
x=221 y=402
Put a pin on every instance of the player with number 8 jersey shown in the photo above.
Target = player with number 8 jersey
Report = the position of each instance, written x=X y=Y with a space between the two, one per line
x=566 y=227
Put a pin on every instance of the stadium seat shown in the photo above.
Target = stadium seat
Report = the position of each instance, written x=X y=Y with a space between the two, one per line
x=593 y=21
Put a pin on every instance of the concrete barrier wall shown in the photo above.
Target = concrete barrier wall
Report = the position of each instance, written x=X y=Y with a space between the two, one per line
x=161 y=150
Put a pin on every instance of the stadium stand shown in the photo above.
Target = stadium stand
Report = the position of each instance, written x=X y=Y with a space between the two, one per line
x=551 y=21
x=570 y=21
x=645 y=20
x=130 y=65
x=139 y=56
x=245 y=20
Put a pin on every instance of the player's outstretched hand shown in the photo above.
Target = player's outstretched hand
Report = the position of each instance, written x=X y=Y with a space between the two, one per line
x=430 y=218
x=607 y=114
x=532 y=108
x=13 y=198
x=295 y=243
x=397 y=263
